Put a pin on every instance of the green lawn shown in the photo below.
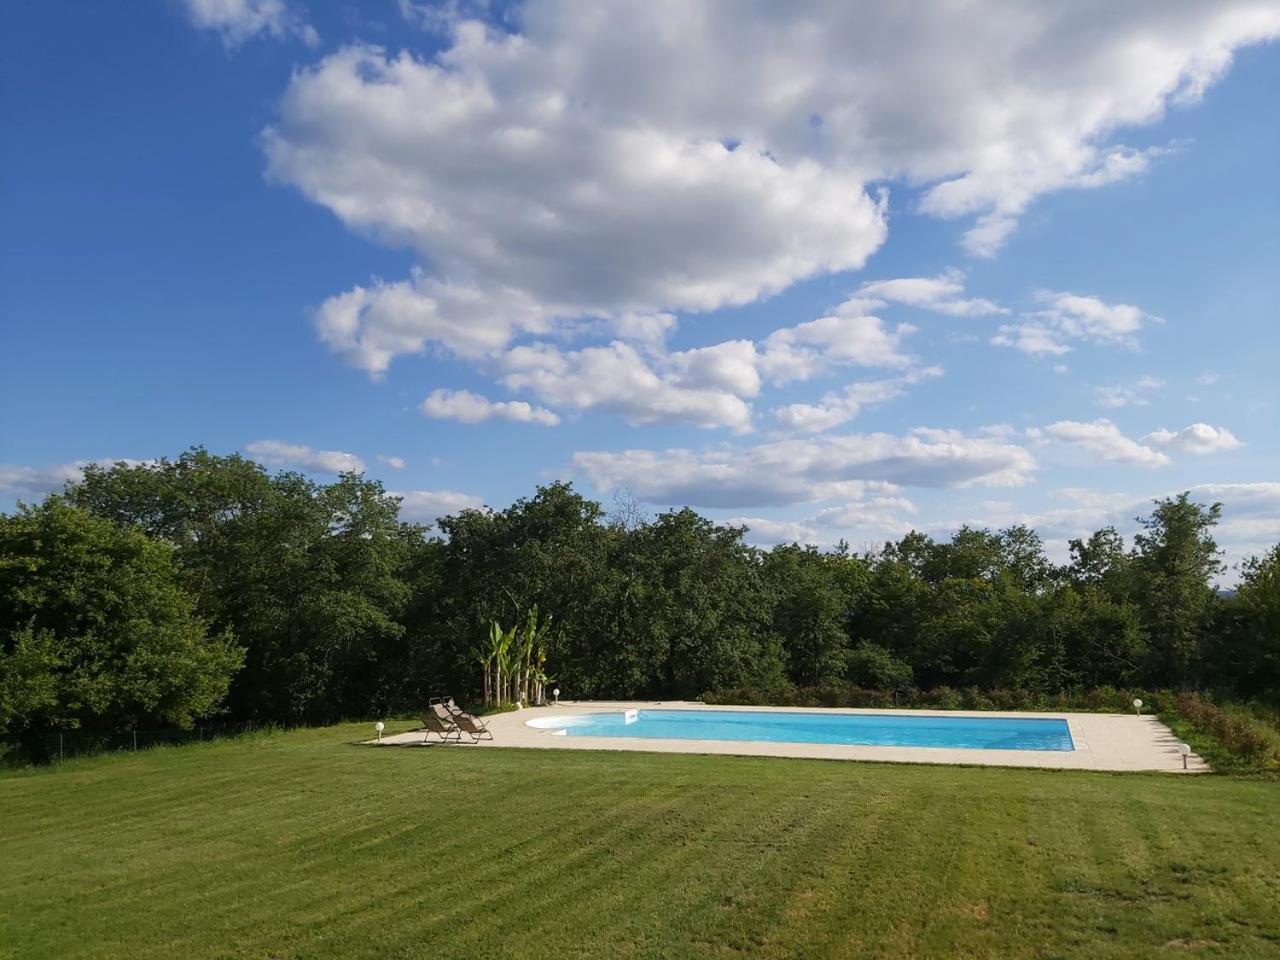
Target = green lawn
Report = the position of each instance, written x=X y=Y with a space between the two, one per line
x=304 y=845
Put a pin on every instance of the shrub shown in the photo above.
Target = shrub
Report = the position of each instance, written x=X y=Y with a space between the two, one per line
x=1247 y=739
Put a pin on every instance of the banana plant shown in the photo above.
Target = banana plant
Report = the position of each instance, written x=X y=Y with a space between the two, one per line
x=497 y=661
x=514 y=661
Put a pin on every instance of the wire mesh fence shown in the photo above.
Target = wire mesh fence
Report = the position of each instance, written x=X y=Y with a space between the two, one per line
x=56 y=745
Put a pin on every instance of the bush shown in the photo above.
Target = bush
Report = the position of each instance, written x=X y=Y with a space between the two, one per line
x=1241 y=740
x=872 y=667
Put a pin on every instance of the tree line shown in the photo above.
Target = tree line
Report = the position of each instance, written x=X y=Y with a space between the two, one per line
x=205 y=585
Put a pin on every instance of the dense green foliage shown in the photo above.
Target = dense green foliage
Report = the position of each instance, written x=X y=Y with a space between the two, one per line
x=343 y=610
x=313 y=580
x=99 y=628
x=1233 y=738
x=296 y=845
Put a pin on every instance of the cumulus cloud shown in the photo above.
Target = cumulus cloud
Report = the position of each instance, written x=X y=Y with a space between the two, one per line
x=468 y=407
x=39 y=482
x=1102 y=439
x=709 y=386
x=1199 y=439
x=846 y=335
x=1068 y=317
x=859 y=521
x=1033 y=338
x=395 y=463
x=1250 y=523
x=648 y=158
x=1136 y=394
x=807 y=470
x=237 y=21
x=370 y=326
x=616 y=378
x=490 y=166
x=274 y=453
x=428 y=506
x=941 y=294
x=838 y=408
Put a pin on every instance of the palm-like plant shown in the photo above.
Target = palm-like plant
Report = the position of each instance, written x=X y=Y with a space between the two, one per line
x=513 y=662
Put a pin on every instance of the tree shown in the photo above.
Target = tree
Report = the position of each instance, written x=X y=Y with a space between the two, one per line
x=311 y=578
x=1245 y=650
x=813 y=595
x=1175 y=560
x=1100 y=561
x=97 y=628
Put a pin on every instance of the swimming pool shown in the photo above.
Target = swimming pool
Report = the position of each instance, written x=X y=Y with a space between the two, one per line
x=862 y=729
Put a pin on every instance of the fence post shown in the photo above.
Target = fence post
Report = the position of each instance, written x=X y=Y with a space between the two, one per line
x=60 y=746
x=135 y=740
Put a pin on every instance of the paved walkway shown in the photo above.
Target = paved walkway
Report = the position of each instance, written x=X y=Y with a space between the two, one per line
x=1103 y=741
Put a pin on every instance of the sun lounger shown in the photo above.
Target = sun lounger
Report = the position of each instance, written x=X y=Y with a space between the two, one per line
x=472 y=725
x=444 y=727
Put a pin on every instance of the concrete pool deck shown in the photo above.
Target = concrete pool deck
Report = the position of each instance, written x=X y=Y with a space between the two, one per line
x=1103 y=741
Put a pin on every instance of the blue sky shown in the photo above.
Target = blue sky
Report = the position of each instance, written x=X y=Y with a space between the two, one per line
x=828 y=271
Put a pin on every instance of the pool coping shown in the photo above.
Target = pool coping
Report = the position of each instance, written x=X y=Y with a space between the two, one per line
x=1103 y=741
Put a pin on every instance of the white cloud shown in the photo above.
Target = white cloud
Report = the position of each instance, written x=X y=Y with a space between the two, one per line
x=860 y=521
x=1250 y=521
x=395 y=463
x=427 y=506
x=441 y=16
x=1088 y=318
x=274 y=453
x=38 y=482
x=1068 y=317
x=617 y=379
x=846 y=335
x=370 y=326
x=1199 y=439
x=647 y=158
x=838 y=408
x=706 y=386
x=468 y=407
x=941 y=294
x=730 y=366
x=807 y=470
x=489 y=167
x=1102 y=439
x=1032 y=338
x=1208 y=378
x=1136 y=394
x=22 y=481
x=239 y=20
x=767 y=532
x=644 y=327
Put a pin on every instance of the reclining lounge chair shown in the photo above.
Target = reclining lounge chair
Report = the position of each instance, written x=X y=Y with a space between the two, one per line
x=443 y=726
x=472 y=725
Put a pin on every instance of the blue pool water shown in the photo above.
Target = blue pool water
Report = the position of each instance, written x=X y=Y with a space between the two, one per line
x=865 y=729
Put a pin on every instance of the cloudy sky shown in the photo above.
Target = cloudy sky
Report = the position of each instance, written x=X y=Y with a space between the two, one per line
x=830 y=270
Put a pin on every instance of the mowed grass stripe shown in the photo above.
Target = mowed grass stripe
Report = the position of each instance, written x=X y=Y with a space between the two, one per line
x=304 y=845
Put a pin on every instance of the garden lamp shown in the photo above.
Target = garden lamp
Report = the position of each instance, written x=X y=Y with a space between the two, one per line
x=379 y=727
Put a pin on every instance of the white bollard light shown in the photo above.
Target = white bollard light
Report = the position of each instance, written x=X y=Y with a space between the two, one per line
x=1137 y=707
x=1185 y=750
x=378 y=728
x=555 y=695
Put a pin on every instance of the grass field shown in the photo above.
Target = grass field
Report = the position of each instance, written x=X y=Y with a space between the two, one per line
x=305 y=845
